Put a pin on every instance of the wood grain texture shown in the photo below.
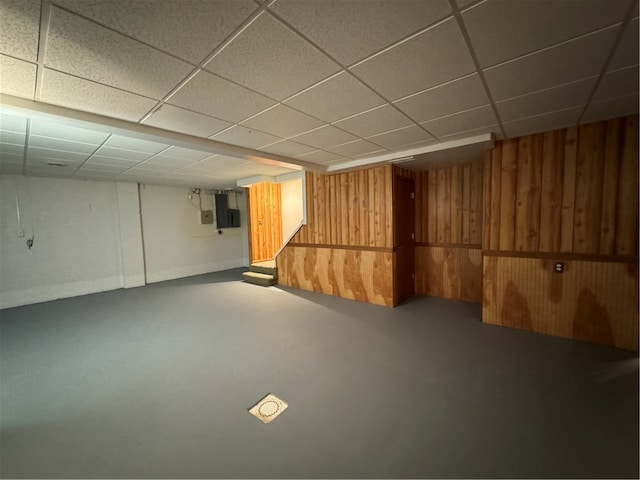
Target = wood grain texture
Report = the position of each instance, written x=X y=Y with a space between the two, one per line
x=265 y=216
x=351 y=208
x=573 y=190
x=361 y=275
x=590 y=301
x=449 y=204
x=449 y=272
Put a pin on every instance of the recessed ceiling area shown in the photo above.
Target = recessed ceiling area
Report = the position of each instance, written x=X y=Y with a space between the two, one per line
x=320 y=85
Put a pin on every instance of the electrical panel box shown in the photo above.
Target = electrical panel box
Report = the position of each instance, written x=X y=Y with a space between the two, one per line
x=206 y=217
x=226 y=217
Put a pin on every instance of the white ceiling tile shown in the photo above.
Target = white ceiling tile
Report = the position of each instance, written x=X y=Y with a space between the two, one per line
x=464 y=3
x=353 y=149
x=337 y=98
x=447 y=99
x=82 y=48
x=252 y=168
x=35 y=152
x=20 y=27
x=274 y=60
x=185 y=121
x=611 y=108
x=412 y=146
x=351 y=30
x=152 y=168
x=401 y=137
x=49 y=171
x=246 y=137
x=122 y=154
x=13 y=123
x=167 y=162
x=627 y=51
x=185 y=153
x=72 y=92
x=501 y=30
x=10 y=168
x=565 y=63
x=218 y=162
x=17 y=77
x=321 y=157
x=231 y=102
x=494 y=129
x=537 y=103
x=433 y=57
x=128 y=143
x=116 y=162
x=190 y=31
x=542 y=123
x=89 y=167
x=375 y=121
x=11 y=149
x=327 y=136
x=287 y=148
x=618 y=84
x=16 y=138
x=461 y=122
x=59 y=144
x=283 y=121
x=46 y=128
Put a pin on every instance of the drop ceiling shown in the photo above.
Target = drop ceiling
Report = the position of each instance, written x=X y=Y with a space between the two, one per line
x=208 y=92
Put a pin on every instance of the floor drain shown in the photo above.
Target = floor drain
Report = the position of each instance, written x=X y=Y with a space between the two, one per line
x=267 y=409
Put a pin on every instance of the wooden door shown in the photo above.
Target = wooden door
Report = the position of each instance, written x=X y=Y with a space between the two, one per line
x=403 y=238
x=265 y=221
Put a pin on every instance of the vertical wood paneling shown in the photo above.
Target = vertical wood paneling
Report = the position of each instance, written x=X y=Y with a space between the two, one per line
x=573 y=190
x=466 y=203
x=456 y=204
x=627 y=203
x=475 y=207
x=508 y=184
x=589 y=169
x=610 y=187
x=432 y=202
x=591 y=301
x=449 y=272
x=528 y=193
x=494 y=202
x=551 y=195
x=266 y=220
x=569 y=189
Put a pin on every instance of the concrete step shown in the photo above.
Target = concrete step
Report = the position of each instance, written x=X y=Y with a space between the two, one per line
x=268 y=267
x=262 y=279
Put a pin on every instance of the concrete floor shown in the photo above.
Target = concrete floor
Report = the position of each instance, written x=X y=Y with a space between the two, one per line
x=155 y=382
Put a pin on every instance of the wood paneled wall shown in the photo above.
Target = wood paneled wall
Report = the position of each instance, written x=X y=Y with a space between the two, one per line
x=567 y=195
x=573 y=190
x=449 y=272
x=349 y=209
x=362 y=275
x=346 y=247
x=265 y=216
x=449 y=202
x=591 y=301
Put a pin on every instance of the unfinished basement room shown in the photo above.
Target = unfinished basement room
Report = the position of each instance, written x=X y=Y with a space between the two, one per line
x=319 y=239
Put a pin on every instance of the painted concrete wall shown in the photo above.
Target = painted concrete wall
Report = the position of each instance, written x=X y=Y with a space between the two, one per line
x=77 y=241
x=176 y=245
x=87 y=238
x=291 y=198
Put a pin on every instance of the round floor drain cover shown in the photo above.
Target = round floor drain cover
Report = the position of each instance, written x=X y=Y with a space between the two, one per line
x=268 y=408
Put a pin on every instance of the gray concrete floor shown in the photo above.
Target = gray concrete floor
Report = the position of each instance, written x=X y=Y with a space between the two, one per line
x=155 y=382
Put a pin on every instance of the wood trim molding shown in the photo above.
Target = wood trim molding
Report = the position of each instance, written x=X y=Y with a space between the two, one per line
x=561 y=256
x=449 y=245
x=342 y=247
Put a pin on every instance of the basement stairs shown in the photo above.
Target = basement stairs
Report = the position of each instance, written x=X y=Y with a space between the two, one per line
x=262 y=273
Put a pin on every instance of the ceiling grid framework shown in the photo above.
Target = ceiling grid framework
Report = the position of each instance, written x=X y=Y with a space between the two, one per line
x=313 y=84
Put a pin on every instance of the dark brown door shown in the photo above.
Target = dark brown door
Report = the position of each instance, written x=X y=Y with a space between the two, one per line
x=403 y=237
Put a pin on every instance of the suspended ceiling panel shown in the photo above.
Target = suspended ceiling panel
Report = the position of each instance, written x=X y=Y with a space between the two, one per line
x=319 y=81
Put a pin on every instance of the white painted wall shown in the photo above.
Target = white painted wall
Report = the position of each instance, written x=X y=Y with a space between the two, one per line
x=78 y=244
x=291 y=197
x=88 y=238
x=176 y=245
